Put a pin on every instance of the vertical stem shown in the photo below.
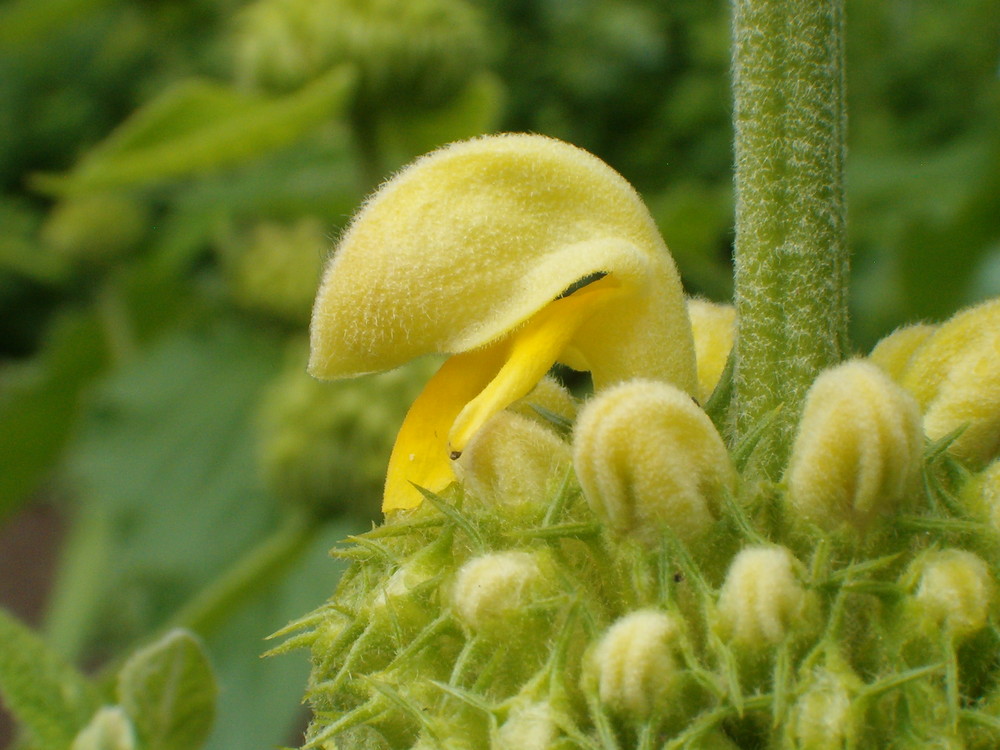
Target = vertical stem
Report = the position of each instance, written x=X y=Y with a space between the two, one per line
x=791 y=251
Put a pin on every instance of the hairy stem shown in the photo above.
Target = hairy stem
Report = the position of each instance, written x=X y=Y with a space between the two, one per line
x=791 y=252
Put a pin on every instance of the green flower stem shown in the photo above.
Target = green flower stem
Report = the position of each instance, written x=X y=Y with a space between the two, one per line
x=791 y=252
x=260 y=567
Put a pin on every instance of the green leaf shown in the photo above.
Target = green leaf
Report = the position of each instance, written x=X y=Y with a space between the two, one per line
x=48 y=696
x=199 y=126
x=169 y=691
x=38 y=407
x=475 y=110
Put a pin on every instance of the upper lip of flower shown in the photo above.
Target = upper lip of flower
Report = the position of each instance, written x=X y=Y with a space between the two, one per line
x=471 y=251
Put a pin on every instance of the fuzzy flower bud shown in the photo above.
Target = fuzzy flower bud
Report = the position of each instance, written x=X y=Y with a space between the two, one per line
x=110 y=729
x=955 y=590
x=547 y=396
x=893 y=352
x=530 y=726
x=762 y=597
x=956 y=380
x=981 y=494
x=515 y=462
x=633 y=667
x=325 y=447
x=277 y=267
x=823 y=717
x=406 y=50
x=858 y=450
x=714 y=327
x=492 y=591
x=647 y=458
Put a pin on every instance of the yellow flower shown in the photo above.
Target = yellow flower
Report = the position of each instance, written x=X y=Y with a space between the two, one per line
x=510 y=253
x=714 y=328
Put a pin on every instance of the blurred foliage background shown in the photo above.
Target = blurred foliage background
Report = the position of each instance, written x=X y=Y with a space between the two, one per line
x=173 y=174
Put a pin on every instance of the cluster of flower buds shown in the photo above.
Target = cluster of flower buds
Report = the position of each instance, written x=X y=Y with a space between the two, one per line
x=547 y=579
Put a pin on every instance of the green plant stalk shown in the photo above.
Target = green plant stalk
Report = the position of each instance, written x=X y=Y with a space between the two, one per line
x=791 y=251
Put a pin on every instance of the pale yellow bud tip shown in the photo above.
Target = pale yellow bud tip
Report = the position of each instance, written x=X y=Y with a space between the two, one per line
x=762 y=597
x=857 y=453
x=893 y=353
x=955 y=377
x=714 y=328
x=647 y=458
x=955 y=590
x=633 y=665
x=492 y=590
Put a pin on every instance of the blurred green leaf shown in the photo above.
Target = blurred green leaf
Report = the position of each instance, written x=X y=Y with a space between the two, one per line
x=475 y=110
x=166 y=449
x=26 y=21
x=169 y=691
x=39 y=405
x=198 y=126
x=50 y=698
x=317 y=177
x=20 y=251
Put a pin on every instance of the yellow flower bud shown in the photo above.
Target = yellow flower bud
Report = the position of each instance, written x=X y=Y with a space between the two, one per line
x=491 y=591
x=633 y=666
x=969 y=398
x=982 y=494
x=714 y=328
x=514 y=461
x=955 y=590
x=550 y=396
x=529 y=726
x=648 y=458
x=823 y=718
x=763 y=597
x=956 y=380
x=858 y=450
x=893 y=353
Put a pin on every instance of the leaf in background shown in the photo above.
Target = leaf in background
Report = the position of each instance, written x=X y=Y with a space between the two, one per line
x=475 y=110
x=199 y=126
x=169 y=691
x=19 y=250
x=166 y=449
x=315 y=177
x=28 y=21
x=39 y=409
x=50 y=698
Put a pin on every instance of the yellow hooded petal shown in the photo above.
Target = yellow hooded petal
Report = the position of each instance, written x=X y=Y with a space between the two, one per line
x=472 y=240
